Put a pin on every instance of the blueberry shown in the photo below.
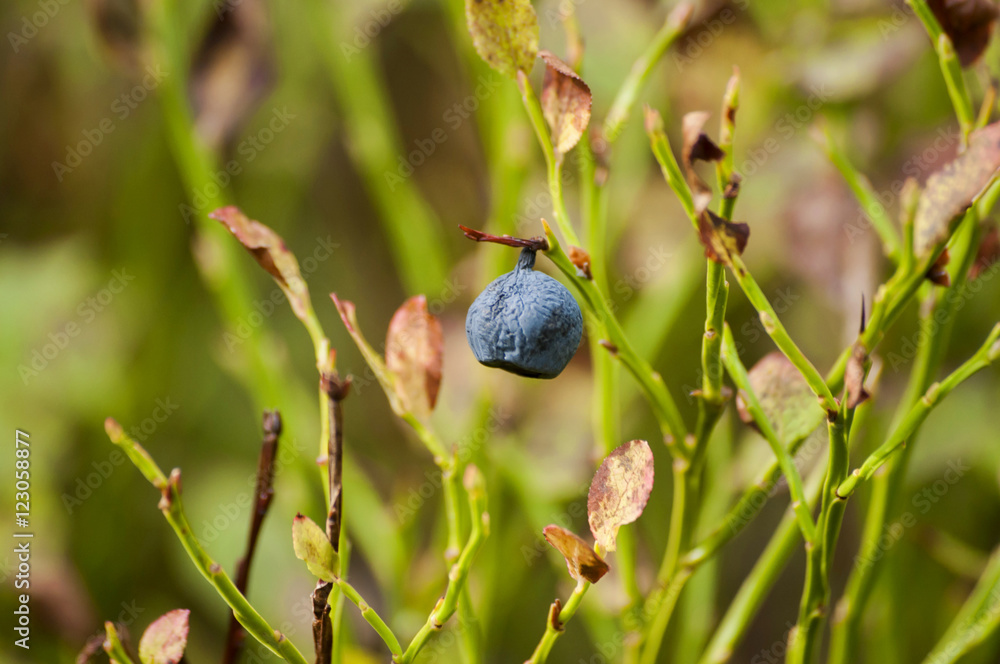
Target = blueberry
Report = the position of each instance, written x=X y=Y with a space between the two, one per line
x=525 y=322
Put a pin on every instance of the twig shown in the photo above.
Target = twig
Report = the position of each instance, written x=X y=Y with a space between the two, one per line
x=173 y=511
x=322 y=627
x=264 y=492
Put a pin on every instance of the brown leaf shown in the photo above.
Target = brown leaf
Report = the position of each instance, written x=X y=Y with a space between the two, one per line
x=414 y=348
x=581 y=560
x=785 y=397
x=722 y=239
x=165 y=639
x=854 y=377
x=989 y=253
x=581 y=259
x=951 y=190
x=90 y=648
x=231 y=72
x=698 y=147
x=968 y=23
x=271 y=253
x=505 y=33
x=119 y=25
x=566 y=101
x=619 y=491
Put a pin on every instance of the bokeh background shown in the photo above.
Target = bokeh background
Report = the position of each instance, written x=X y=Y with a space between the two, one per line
x=111 y=278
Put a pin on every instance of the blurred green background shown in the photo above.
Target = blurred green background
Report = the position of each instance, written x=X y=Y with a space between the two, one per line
x=107 y=279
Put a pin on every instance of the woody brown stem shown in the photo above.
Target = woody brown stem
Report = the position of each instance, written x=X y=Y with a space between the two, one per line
x=264 y=493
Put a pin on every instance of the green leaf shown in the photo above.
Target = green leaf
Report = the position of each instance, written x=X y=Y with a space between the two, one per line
x=951 y=190
x=165 y=639
x=312 y=545
x=619 y=491
x=505 y=33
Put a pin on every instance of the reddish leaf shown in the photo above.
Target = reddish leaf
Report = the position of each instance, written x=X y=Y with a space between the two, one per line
x=231 y=72
x=165 y=639
x=581 y=560
x=272 y=254
x=951 y=190
x=414 y=348
x=968 y=23
x=785 y=397
x=619 y=491
x=566 y=101
x=938 y=274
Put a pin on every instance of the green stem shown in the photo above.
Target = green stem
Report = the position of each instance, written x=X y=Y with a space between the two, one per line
x=557 y=623
x=173 y=511
x=985 y=356
x=664 y=407
x=741 y=379
x=867 y=198
x=635 y=80
x=553 y=162
x=755 y=587
x=950 y=68
x=978 y=618
x=371 y=617
x=459 y=573
x=665 y=602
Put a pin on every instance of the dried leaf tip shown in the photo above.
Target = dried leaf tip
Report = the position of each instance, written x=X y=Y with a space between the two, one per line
x=968 y=25
x=652 y=120
x=566 y=103
x=114 y=430
x=581 y=560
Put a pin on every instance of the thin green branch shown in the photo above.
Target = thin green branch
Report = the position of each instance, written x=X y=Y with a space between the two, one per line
x=475 y=486
x=865 y=193
x=559 y=615
x=113 y=645
x=371 y=617
x=173 y=511
x=621 y=107
x=978 y=618
x=664 y=407
x=986 y=355
x=741 y=379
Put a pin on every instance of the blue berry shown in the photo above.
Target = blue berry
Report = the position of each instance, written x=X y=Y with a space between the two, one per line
x=525 y=322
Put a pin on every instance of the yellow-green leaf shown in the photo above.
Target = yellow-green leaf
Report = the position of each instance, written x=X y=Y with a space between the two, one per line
x=505 y=33
x=619 y=491
x=312 y=546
